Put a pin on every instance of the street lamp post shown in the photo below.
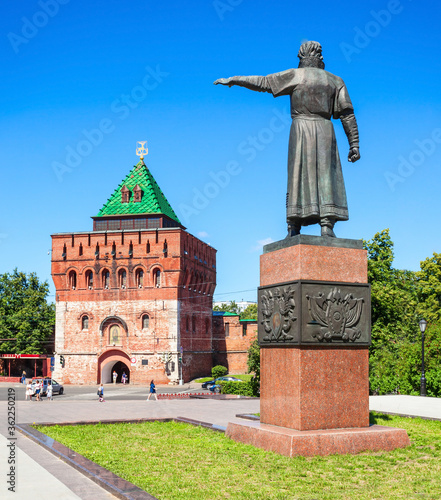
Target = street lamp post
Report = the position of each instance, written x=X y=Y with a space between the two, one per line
x=423 y=325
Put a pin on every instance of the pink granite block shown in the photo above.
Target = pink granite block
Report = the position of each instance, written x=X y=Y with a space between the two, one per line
x=308 y=388
x=290 y=443
x=311 y=262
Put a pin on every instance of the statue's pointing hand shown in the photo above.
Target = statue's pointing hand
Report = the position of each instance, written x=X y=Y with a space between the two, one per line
x=223 y=81
x=354 y=155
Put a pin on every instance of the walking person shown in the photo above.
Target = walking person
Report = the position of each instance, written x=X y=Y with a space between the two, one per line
x=49 y=391
x=100 y=393
x=37 y=391
x=124 y=378
x=152 y=390
x=28 y=391
x=115 y=376
x=23 y=377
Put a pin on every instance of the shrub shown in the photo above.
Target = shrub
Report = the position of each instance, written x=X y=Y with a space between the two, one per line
x=219 y=371
x=240 y=388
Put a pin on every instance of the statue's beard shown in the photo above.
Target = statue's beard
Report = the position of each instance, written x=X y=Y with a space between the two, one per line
x=311 y=62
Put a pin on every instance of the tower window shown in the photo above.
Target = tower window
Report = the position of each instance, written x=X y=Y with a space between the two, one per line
x=80 y=250
x=89 y=279
x=193 y=323
x=73 y=280
x=122 y=275
x=139 y=276
x=85 y=323
x=125 y=194
x=145 y=321
x=165 y=248
x=227 y=329
x=147 y=247
x=157 y=278
x=137 y=194
x=106 y=279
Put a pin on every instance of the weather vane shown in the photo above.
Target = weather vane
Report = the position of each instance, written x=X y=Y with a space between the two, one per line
x=141 y=149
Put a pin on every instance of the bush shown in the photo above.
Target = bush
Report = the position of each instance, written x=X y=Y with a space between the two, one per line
x=240 y=388
x=218 y=371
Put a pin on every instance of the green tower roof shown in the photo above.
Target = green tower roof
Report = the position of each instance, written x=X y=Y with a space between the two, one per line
x=152 y=201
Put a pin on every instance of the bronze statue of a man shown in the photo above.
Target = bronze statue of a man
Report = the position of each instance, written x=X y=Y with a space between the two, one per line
x=316 y=191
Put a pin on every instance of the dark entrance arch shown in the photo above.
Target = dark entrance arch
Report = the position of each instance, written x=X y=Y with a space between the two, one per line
x=119 y=367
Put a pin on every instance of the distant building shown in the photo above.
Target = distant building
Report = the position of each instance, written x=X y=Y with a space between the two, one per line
x=232 y=338
x=242 y=305
x=134 y=294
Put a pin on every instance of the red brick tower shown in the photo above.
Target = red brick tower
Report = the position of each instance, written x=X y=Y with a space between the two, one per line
x=133 y=295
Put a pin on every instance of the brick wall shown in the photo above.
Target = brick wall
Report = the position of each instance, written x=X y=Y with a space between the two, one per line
x=231 y=341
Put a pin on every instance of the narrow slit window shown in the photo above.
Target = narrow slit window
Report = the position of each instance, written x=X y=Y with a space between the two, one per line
x=123 y=279
x=89 y=280
x=139 y=278
x=73 y=280
x=157 y=275
x=106 y=279
x=85 y=323
x=145 y=321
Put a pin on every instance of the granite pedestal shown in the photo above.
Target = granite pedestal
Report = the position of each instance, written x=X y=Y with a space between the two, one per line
x=314 y=333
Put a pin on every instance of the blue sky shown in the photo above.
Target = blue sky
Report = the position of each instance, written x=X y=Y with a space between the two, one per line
x=95 y=77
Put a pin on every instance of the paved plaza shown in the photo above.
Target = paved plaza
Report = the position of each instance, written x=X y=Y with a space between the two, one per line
x=41 y=475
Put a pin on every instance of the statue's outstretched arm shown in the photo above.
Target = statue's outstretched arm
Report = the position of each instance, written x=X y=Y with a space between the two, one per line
x=350 y=127
x=259 y=83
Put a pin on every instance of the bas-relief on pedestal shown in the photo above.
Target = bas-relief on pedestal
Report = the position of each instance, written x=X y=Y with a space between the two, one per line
x=314 y=313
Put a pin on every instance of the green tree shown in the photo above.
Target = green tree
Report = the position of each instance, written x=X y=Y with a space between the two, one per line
x=249 y=312
x=232 y=307
x=393 y=295
x=26 y=319
x=253 y=363
x=429 y=288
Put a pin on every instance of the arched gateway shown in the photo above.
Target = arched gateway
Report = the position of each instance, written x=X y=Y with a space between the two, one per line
x=113 y=359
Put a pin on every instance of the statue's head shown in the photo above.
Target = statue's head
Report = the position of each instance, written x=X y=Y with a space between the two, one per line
x=310 y=55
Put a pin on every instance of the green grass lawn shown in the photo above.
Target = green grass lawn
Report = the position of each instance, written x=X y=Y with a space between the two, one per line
x=179 y=461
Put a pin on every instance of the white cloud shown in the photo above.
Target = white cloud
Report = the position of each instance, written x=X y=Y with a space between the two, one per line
x=261 y=244
x=202 y=234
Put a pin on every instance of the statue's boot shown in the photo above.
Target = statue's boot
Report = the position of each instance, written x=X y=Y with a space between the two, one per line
x=293 y=228
x=327 y=227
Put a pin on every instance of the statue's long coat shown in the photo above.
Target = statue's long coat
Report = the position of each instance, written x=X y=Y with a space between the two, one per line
x=315 y=181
